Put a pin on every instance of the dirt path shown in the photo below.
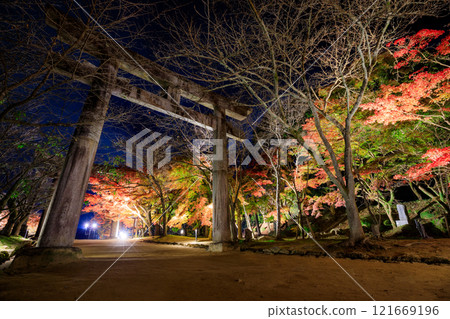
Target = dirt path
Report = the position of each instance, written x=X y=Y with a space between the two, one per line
x=162 y=272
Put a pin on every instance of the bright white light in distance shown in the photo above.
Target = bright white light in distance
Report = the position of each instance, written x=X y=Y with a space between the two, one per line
x=86 y=225
x=123 y=235
x=94 y=225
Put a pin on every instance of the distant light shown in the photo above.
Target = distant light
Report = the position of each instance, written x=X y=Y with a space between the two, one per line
x=86 y=225
x=94 y=225
x=123 y=235
x=182 y=232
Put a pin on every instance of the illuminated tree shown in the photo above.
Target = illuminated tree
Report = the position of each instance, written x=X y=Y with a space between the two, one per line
x=195 y=207
x=424 y=96
x=112 y=196
x=435 y=168
x=280 y=54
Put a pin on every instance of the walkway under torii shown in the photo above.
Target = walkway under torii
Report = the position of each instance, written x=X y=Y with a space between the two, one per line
x=61 y=218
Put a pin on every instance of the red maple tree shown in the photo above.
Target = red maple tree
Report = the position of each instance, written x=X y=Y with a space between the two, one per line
x=424 y=97
x=114 y=196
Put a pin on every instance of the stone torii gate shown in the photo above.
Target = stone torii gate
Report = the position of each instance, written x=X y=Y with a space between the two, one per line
x=61 y=219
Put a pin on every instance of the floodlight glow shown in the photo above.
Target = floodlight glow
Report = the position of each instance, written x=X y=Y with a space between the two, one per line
x=123 y=235
x=94 y=225
x=86 y=225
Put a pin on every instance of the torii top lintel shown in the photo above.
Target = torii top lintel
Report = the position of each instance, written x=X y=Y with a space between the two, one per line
x=74 y=32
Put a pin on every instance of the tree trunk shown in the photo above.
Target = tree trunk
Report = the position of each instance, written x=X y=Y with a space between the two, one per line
x=436 y=199
x=164 y=216
x=210 y=231
x=164 y=225
x=258 y=228
x=444 y=205
x=299 y=216
x=332 y=210
x=308 y=223
x=387 y=206
x=41 y=223
x=149 y=220
x=300 y=213
x=277 y=200
x=114 y=229
x=239 y=224
x=415 y=191
x=354 y=222
x=8 y=228
x=249 y=223
x=23 y=231
x=376 y=219
x=18 y=225
x=300 y=226
x=376 y=230
x=158 y=229
x=60 y=224
x=388 y=210
x=233 y=227
x=44 y=212
x=221 y=216
x=12 y=219
x=356 y=230
x=6 y=197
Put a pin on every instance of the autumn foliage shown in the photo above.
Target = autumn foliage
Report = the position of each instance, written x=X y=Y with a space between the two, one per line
x=380 y=135
x=426 y=94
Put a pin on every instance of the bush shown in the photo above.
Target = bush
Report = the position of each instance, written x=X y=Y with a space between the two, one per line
x=4 y=256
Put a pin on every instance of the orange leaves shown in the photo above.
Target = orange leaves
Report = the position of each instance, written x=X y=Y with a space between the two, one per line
x=33 y=222
x=426 y=92
x=198 y=211
x=369 y=172
x=405 y=101
x=202 y=213
x=411 y=46
x=113 y=194
x=438 y=157
x=256 y=181
x=311 y=133
x=444 y=47
x=94 y=180
x=258 y=189
x=301 y=174
x=316 y=203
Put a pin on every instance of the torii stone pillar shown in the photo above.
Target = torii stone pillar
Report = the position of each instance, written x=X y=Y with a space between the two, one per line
x=221 y=217
x=63 y=214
